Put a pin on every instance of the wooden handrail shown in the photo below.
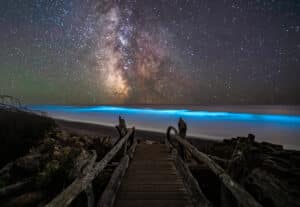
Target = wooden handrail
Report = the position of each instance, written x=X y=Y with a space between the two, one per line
x=241 y=195
x=197 y=196
x=81 y=183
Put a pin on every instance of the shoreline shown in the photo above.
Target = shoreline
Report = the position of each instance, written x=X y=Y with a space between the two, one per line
x=93 y=129
x=277 y=129
x=96 y=129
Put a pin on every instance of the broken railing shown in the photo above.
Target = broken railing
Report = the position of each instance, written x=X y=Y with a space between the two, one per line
x=240 y=194
x=83 y=183
x=10 y=103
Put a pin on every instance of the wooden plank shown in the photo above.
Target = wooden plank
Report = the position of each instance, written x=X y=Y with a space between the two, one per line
x=152 y=176
x=154 y=188
x=154 y=182
x=152 y=179
x=154 y=203
x=151 y=172
x=179 y=195
x=152 y=164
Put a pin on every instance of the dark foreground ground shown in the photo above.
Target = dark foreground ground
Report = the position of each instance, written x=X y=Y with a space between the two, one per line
x=42 y=156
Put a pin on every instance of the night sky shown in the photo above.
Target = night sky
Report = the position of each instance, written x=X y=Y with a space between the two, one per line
x=150 y=51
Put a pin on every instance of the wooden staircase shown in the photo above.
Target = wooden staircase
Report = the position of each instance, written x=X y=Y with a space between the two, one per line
x=152 y=180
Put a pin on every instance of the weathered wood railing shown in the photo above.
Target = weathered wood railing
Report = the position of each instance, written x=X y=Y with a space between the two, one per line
x=192 y=186
x=108 y=197
x=93 y=169
x=240 y=194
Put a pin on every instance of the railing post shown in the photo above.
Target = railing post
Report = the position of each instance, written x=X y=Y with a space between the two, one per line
x=122 y=128
x=168 y=137
x=182 y=133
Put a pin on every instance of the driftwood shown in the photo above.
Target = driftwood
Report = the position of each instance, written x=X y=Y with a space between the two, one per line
x=14 y=188
x=81 y=183
x=198 y=198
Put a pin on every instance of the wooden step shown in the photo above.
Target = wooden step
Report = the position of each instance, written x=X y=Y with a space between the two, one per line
x=153 y=188
x=152 y=180
x=153 y=203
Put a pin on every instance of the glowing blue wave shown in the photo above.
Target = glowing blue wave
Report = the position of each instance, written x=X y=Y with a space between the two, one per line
x=208 y=115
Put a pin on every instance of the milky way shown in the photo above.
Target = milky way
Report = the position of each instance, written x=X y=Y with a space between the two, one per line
x=131 y=60
x=155 y=52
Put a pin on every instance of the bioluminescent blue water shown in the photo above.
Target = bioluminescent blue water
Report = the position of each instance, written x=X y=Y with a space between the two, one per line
x=282 y=128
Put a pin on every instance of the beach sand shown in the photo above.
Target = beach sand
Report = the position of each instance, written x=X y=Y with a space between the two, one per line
x=103 y=131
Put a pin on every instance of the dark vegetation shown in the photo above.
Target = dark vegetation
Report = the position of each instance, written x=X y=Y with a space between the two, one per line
x=19 y=131
x=39 y=160
x=267 y=171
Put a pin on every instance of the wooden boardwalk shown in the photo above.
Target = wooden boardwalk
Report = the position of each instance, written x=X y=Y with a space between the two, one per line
x=152 y=175
x=152 y=180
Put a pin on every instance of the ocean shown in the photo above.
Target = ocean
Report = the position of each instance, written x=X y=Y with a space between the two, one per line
x=276 y=124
